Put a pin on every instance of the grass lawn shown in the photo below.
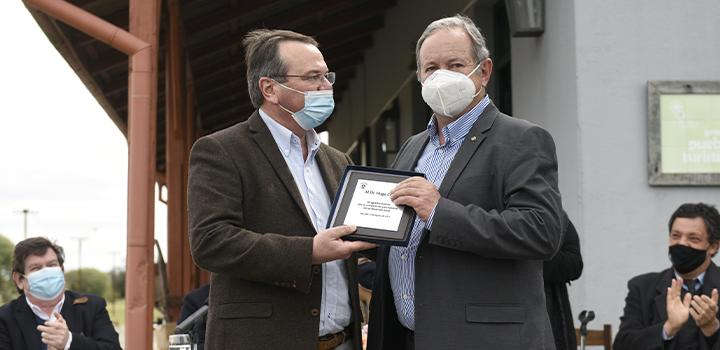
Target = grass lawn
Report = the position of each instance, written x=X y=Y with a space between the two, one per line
x=117 y=312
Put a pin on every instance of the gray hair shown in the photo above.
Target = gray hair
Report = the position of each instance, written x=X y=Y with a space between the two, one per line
x=480 y=51
x=263 y=59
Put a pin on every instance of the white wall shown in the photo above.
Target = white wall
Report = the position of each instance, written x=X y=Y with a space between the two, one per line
x=585 y=80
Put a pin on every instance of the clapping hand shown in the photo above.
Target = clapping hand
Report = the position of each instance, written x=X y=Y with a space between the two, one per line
x=678 y=310
x=55 y=333
x=703 y=310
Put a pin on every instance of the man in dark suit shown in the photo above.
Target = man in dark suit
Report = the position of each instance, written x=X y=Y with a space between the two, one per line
x=259 y=197
x=677 y=308
x=487 y=215
x=46 y=316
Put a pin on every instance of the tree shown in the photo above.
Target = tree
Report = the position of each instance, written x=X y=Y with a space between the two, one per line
x=7 y=286
x=117 y=276
x=93 y=281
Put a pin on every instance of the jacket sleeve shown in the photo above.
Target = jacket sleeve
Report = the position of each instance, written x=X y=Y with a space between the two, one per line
x=528 y=225
x=635 y=333
x=219 y=241
x=567 y=264
x=104 y=336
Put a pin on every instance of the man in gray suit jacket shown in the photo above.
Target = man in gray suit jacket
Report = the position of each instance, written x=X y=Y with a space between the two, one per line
x=259 y=197
x=489 y=213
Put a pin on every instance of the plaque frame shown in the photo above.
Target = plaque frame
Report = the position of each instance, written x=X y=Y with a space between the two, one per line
x=352 y=175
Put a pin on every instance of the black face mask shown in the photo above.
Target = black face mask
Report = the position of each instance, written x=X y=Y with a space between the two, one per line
x=686 y=259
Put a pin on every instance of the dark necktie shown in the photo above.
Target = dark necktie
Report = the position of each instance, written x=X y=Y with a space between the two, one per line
x=690 y=285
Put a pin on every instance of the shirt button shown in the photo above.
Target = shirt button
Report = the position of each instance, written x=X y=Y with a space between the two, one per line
x=316 y=270
x=403 y=257
x=314 y=312
x=405 y=297
x=441 y=151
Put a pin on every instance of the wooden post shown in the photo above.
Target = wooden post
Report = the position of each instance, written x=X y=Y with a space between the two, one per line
x=142 y=120
x=179 y=260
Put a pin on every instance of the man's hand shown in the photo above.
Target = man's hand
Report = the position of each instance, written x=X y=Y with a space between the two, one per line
x=703 y=310
x=55 y=333
x=677 y=310
x=417 y=193
x=328 y=245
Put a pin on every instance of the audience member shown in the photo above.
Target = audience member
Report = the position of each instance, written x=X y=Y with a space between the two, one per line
x=46 y=315
x=677 y=308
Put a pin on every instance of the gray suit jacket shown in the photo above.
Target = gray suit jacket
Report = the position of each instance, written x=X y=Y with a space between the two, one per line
x=478 y=273
x=250 y=228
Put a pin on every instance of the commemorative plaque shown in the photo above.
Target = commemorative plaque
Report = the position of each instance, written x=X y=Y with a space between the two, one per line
x=363 y=200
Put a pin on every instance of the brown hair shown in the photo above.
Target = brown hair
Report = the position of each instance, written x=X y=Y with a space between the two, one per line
x=262 y=58
x=33 y=246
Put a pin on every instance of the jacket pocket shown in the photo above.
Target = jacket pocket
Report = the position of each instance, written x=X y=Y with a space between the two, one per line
x=244 y=310
x=495 y=313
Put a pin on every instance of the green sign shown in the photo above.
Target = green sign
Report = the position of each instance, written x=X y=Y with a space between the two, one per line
x=690 y=133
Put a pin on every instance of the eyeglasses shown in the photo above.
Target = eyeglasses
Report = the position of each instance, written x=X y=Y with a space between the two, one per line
x=315 y=78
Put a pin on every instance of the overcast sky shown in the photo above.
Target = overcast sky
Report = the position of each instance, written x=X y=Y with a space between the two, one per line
x=60 y=154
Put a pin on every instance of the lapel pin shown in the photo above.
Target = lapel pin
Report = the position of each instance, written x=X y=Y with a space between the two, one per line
x=80 y=300
x=473 y=138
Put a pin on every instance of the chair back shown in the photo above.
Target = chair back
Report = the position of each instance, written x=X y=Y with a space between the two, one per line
x=597 y=337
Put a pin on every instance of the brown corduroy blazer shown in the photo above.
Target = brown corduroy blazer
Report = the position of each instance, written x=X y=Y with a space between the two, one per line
x=249 y=227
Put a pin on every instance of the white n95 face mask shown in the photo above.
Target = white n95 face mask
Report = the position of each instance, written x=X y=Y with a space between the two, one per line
x=448 y=93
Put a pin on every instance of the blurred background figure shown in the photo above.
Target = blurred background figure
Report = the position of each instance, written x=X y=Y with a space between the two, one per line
x=566 y=266
x=191 y=303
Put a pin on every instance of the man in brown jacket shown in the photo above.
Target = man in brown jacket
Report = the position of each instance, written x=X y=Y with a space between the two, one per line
x=259 y=197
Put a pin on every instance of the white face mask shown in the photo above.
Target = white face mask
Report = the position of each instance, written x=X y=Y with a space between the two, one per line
x=448 y=93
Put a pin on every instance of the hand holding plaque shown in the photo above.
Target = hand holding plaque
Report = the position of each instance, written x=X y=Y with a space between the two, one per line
x=363 y=199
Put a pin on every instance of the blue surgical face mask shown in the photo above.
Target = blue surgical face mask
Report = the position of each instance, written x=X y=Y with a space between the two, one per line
x=47 y=283
x=318 y=107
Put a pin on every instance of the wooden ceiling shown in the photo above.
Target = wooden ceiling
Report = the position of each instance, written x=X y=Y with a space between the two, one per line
x=213 y=32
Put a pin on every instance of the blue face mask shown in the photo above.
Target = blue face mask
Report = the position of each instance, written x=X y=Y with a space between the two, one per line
x=47 y=283
x=318 y=107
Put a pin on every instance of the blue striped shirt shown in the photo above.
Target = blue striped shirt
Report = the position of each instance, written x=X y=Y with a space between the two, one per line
x=434 y=163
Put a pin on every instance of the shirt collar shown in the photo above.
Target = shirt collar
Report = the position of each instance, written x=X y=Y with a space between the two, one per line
x=459 y=127
x=283 y=136
x=698 y=280
x=41 y=314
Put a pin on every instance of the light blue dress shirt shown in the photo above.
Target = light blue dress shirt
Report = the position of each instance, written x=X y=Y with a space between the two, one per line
x=335 y=312
x=39 y=313
x=434 y=163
